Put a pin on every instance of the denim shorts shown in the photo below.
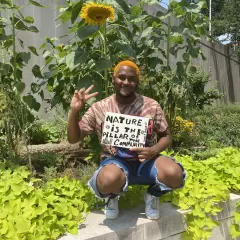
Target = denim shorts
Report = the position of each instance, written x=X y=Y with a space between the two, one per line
x=137 y=173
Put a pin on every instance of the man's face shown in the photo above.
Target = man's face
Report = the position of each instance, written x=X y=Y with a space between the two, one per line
x=125 y=82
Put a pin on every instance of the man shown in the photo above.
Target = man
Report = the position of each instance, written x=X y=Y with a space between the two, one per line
x=121 y=167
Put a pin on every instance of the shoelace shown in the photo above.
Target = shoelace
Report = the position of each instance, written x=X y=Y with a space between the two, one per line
x=111 y=204
x=108 y=204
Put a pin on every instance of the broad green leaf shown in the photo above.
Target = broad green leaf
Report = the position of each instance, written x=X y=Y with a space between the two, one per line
x=36 y=3
x=37 y=72
x=180 y=68
x=3 y=37
x=186 y=57
x=18 y=23
x=33 y=29
x=4 y=227
x=7 y=2
x=48 y=60
x=31 y=102
x=124 y=6
x=55 y=100
x=176 y=38
x=136 y=10
x=127 y=49
x=154 y=61
x=43 y=46
x=237 y=217
x=86 y=31
x=5 y=69
x=75 y=58
x=194 y=52
x=20 y=86
x=76 y=10
x=33 y=50
x=235 y=230
x=22 y=225
x=25 y=56
x=28 y=19
x=65 y=15
x=103 y=64
x=146 y=32
x=80 y=56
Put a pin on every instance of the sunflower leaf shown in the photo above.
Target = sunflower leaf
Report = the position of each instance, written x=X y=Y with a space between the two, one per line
x=103 y=64
x=124 y=6
x=86 y=31
x=36 y=4
x=75 y=11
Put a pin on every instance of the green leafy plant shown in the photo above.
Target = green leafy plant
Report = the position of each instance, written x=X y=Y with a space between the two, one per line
x=216 y=126
x=15 y=55
x=44 y=212
x=209 y=182
x=180 y=97
x=46 y=132
x=88 y=57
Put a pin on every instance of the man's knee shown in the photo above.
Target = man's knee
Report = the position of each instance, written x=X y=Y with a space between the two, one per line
x=111 y=179
x=169 y=172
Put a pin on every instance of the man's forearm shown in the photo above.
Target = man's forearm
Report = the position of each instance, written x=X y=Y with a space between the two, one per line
x=73 y=130
x=163 y=143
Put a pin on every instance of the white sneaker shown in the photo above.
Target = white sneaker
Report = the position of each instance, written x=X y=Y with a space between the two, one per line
x=111 y=208
x=152 y=206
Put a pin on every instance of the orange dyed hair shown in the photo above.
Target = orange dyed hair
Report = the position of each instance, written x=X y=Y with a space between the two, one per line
x=127 y=63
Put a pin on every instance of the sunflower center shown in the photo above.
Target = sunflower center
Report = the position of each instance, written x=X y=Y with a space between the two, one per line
x=98 y=13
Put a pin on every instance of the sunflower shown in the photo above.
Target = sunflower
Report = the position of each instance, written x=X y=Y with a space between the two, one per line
x=97 y=14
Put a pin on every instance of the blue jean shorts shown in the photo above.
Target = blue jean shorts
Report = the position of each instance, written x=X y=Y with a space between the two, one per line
x=137 y=173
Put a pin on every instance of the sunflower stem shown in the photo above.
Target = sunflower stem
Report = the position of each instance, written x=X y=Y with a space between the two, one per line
x=105 y=55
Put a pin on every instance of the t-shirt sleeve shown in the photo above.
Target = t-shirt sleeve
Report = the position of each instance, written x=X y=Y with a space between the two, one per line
x=88 y=122
x=160 y=122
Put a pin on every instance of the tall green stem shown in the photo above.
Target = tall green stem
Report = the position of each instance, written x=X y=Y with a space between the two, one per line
x=14 y=47
x=105 y=55
x=168 y=37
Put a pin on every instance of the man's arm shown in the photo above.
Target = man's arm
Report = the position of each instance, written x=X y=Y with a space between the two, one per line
x=161 y=128
x=73 y=128
x=77 y=104
x=164 y=141
x=148 y=153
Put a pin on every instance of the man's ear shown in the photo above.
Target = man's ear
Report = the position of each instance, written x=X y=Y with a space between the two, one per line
x=113 y=79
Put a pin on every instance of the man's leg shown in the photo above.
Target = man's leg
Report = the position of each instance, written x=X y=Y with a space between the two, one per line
x=110 y=179
x=164 y=174
x=170 y=175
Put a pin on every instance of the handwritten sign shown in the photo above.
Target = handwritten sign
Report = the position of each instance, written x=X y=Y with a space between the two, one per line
x=124 y=130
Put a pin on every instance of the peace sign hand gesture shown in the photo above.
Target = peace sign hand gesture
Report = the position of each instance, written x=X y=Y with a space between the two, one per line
x=80 y=97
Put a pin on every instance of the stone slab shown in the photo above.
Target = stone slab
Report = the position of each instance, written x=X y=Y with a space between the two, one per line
x=133 y=225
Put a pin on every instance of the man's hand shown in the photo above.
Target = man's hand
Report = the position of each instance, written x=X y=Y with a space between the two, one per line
x=145 y=153
x=80 y=97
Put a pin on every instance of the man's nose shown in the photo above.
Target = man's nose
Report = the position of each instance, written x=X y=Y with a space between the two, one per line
x=126 y=81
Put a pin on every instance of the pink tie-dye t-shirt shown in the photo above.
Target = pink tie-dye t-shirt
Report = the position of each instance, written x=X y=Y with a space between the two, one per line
x=93 y=121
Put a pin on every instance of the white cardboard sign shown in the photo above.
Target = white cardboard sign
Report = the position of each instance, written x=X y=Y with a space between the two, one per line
x=124 y=130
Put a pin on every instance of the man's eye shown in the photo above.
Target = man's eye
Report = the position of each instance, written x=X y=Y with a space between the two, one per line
x=121 y=78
